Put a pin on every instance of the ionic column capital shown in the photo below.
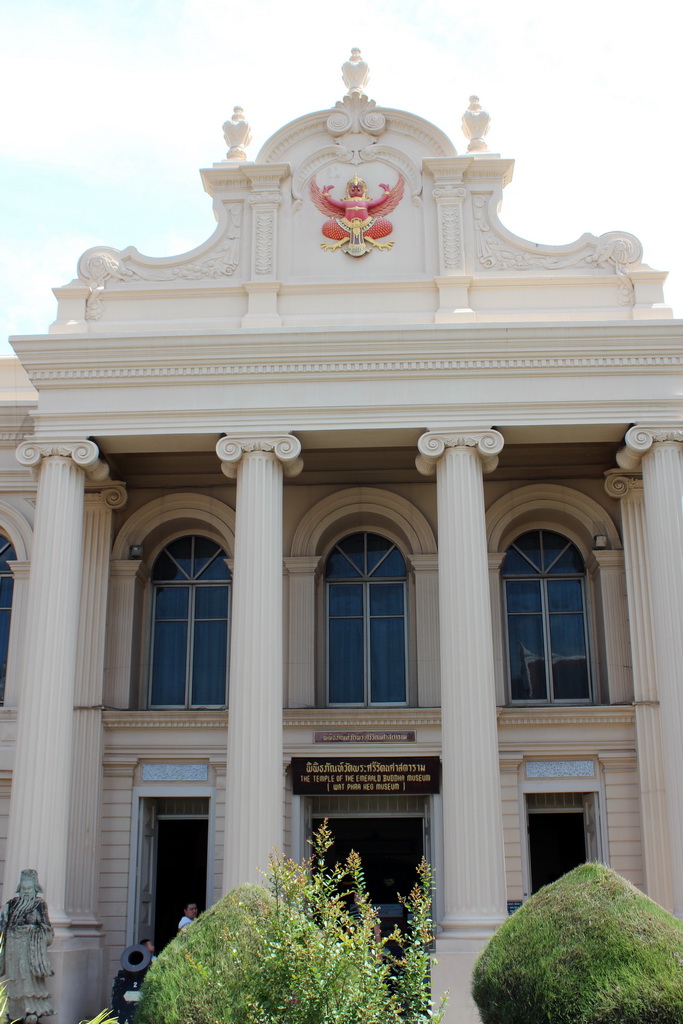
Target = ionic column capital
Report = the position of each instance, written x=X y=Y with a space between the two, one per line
x=639 y=441
x=621 y=485
x=111 y=495
x=284 y=447
x=84 y=454
x=487 y=444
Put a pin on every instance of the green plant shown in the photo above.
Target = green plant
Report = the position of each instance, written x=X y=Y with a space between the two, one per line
x=295 y=953
x=588 y=949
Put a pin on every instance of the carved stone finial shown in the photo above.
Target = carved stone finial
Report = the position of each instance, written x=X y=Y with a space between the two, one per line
x=475 y=125
x=237 y=134
x=356 y=73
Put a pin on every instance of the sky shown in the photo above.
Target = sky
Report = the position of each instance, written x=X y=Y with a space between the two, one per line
x=109 y=109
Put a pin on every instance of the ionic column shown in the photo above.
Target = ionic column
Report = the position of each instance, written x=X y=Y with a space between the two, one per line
x=254 y=812
x=86 y=780
x=39 y=813
x=651 y=780
x=474 y=881
x=660 y=451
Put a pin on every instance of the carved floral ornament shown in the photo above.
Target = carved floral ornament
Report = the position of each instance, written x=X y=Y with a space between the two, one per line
x=84 y=454
x=487 y=444
x=286 y=449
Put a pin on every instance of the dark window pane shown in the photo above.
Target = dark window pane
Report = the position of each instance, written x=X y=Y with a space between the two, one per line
x=211 y=603
x=339 y=567
x=377 y=549
x=169 y=663
x=529 y=544
x=4 y=644
x=570 y=668
x=387 y=661
x=523 y=595
x=171 y=602
x=515 y=565
x=570 y=561
x=181 y=550
x=354 y=549
x=565 y=596
x=7 y=554
x=393 y=565
x=6 y=590
x=165 y=569
x=553 y=545
x=346 y=668
x=204 y=550
x=386 y=599
x=527 y=657
x=216 y=569
x=209 y=662
x=345 y=600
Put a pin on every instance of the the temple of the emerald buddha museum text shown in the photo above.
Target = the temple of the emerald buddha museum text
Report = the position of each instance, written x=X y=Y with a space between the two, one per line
x=366 y=509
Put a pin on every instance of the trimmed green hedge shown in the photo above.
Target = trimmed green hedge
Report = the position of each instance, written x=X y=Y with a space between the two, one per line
x=203 y=974
x=588 y=949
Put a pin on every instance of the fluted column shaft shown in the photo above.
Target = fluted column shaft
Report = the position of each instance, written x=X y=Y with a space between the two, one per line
x=39 y=814
x=474 y=881
x=254 y=782
x=662 y=467
x=652 y=782
x=86 y=782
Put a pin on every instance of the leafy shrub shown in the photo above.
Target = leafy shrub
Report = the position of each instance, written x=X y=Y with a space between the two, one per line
x=294 y=953
x=588 y=949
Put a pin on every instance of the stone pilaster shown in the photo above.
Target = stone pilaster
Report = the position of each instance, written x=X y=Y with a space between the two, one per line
x=651 y=779
x=660 y=452
x=264 y=201
x=474 y=882
x=301 y=573
x=254 y=812
x=86 y=776
x=607 y=568
x=426 y=578
x=128 y=578
x=39 y=814
x=495 y=561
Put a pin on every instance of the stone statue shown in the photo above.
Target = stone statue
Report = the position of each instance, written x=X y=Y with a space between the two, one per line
x=26 y=934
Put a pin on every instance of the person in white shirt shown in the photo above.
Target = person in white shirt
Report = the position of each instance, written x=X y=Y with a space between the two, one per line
x=189 y=914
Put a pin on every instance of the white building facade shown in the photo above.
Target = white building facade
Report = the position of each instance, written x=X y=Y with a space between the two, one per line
x=366 y=509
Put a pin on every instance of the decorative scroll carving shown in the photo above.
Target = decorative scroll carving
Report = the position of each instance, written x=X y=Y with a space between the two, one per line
x=639 y=441
x=98 y=266
x=355 y=113
x=498 y=249
x=618 y=486
x=431 y=446
x=286 y=448
x=85 y=454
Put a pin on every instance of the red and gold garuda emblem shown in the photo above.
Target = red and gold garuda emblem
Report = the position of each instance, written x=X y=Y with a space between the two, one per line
x=357 y=221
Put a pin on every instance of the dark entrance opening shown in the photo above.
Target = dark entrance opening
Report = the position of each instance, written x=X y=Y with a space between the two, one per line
x=180 y=873
x=390 y=850
x=557 y=843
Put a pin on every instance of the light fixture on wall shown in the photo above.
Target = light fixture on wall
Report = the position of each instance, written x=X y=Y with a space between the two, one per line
x=135 y=552
x=599 y=542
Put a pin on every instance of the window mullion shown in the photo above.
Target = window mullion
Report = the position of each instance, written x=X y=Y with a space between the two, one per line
x=545 y=611
x=367 y=642
x=190 y=645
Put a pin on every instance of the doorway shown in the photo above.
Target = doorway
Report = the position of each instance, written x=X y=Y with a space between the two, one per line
x=562 y=834
x=172 y=864
x=390 y=850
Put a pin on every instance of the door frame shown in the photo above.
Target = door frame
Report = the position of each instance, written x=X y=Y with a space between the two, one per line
x=563 y=784
x=156 y=791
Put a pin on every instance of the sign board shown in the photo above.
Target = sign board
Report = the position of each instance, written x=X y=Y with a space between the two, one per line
x=365 y=737
x=345 y=776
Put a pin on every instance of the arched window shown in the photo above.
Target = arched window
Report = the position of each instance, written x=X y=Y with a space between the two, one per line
x=365 y=578
x=544 y=579
x=7 y=554
x=191 y=590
